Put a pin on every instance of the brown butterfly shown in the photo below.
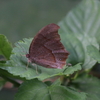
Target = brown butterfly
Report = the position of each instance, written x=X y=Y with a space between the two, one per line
x=46 y=49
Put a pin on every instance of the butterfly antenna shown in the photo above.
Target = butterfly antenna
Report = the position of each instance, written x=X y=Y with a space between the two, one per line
x=37 y=69
x=27 y=64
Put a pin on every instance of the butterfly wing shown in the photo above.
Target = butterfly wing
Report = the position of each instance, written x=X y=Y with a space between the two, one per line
x=46 y=49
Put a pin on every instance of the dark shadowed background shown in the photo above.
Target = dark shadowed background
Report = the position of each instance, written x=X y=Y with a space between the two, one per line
x=23 y=18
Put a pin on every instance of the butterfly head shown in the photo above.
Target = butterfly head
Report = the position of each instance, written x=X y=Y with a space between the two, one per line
x=28 y=55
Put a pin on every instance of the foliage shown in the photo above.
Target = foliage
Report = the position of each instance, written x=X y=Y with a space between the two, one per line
x=79 y=33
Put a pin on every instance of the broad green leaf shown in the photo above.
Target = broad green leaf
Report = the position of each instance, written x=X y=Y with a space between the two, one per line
x=64 y=93
x=84 y=19
x=36 y=90
x=8 y=76
x=5 y=48
x=94 y=52
x=32 y=90
x=18 y=65
x=74 y=47
x=82 y=22
x=88 y=40
x=71 y=70
x=89 y=85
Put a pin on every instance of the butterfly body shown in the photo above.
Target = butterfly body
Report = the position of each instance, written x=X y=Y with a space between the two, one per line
x=46 y=49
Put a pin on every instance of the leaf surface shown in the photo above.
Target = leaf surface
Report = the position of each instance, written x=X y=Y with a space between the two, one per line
x=83 y=23
x=93 y=52
x=36 y=90
x=5 y=48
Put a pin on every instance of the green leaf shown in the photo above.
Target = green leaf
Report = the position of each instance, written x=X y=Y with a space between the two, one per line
x=36 y=90
x=82 y=22
x=63 y=93
x=74 y=47
x=88 y=40
x=32 y=90
x=94 y=52
x=18 y=65
x=5 y=48
x=89 y=85
x=71 y=70
x=84 y=19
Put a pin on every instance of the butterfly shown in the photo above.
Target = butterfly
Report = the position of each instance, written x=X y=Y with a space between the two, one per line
x=46 y=49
